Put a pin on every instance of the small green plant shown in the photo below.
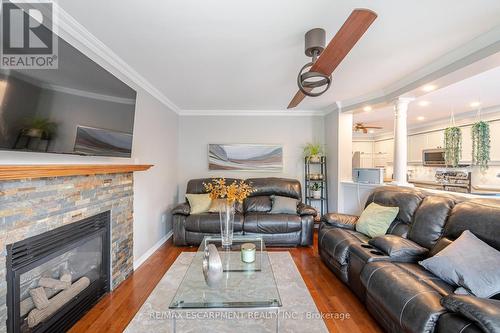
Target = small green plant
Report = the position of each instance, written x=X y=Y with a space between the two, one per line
x=452 y=146
x=38 y=126
x=313 y=150
x=315 y=187
x=481 y=145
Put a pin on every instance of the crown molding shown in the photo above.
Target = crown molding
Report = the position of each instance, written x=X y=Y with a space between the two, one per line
x=282 y=113
x=71 y=30
x=89 y=94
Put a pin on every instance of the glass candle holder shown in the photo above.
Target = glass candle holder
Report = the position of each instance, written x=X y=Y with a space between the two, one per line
x=248 y=252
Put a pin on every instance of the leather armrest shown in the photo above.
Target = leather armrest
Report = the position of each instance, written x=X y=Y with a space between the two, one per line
x=182 y=209
x=399 y=248
x=483 y=311
x=303 y=209
x=343 y=221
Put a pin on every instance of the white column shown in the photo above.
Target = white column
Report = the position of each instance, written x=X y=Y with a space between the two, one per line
x=401 y=141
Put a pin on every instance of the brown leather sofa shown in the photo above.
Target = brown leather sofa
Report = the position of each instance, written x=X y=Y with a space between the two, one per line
x=384 y=271
x=252 y=217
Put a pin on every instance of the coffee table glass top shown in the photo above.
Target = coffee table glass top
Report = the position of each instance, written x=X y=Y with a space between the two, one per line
x=242 y=285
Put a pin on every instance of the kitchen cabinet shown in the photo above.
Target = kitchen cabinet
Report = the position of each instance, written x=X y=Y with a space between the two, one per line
x=434 y=140
x=363 y=146
x=495 y=141
x=417 y=143
x=383 y=152
x=466 y=145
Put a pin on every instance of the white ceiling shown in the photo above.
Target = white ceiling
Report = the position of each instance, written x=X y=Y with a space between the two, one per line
x=245 y=55
x=441 y=103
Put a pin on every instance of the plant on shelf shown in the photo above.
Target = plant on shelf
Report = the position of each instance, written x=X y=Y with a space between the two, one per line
x=316 y=190
x=452 y=146
x=313 y=152
x=481 y=145
x=38 y=127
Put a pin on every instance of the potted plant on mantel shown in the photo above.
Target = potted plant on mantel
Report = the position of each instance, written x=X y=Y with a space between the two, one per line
x=316 y=190
x=313 y=152
x=38 y=127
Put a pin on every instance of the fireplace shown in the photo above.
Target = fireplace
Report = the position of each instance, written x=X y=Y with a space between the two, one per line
x=54 y=278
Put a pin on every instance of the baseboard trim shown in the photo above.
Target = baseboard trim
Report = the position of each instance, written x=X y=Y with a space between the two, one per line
x=145 y=256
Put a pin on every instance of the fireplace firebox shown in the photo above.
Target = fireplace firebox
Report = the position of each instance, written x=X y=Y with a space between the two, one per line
x=54 y=278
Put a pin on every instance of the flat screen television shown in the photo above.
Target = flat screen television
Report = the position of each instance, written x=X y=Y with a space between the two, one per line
x=78 y=108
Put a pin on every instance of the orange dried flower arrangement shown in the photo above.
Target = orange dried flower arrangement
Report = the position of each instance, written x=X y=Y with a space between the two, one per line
x=236 y=191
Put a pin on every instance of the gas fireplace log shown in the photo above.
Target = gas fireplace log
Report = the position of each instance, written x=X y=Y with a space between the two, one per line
x=27 y=304
x=53 y=283
x=37 y=316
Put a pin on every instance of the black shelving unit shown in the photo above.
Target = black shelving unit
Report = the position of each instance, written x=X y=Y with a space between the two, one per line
x=316 y=168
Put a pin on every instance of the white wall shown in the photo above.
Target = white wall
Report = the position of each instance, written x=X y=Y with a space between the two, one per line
x=196 y=132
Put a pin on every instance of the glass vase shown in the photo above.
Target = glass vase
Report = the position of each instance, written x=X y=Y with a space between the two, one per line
x=226 y=214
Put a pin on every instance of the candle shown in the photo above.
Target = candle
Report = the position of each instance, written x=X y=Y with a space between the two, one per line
x=248 y=252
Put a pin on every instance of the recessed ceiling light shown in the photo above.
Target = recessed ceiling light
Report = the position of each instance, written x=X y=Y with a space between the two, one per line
x=429 y=87
x=367 y=108
x=420 y=118
x=475 y=104
x=371 y=131
x=424 y=103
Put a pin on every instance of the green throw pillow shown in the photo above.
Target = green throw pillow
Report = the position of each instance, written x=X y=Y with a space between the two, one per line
x=199 y=203
x=376 y=219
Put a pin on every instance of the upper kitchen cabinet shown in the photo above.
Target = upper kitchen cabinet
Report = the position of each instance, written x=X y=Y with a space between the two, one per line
x=416 y=143
x=495 y=141
x=382 y=153
x=434 y=140
x=466 y=145
x=362 y=146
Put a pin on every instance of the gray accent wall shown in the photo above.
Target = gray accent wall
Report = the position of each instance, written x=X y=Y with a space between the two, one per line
x=293 y=132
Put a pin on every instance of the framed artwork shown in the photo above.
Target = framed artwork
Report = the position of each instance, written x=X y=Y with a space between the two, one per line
x=245 y=157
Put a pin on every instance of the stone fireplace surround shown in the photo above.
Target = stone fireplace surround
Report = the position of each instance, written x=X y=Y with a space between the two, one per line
x=29 y=207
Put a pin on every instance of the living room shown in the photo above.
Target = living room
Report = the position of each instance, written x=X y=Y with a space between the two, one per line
x=254 y=167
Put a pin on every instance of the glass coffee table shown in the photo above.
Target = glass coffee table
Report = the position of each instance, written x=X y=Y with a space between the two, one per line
x=243 y=286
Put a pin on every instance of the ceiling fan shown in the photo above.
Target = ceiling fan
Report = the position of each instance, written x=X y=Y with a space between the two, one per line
x=361 y=127
x=325 y=60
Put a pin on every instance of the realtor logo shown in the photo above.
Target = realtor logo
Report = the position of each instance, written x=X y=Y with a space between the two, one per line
x=28 y=40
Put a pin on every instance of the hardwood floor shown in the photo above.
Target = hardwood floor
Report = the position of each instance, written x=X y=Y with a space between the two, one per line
x=116 y=310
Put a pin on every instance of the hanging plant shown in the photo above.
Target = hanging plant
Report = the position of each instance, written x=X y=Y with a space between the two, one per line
x=481 y=145
x=452 y=146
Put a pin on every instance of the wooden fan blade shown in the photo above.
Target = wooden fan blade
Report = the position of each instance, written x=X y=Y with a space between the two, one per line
x=375 y=127
x=299 y=96
x=351 y=31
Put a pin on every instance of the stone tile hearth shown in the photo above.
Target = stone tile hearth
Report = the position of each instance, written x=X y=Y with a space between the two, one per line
x=33 y=206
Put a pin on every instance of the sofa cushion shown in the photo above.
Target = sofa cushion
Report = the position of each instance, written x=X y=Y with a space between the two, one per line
x=399 y=300
x=210 y=223
x=430 y=219
x=376 y=219
x=195 y=186
x=261 y=203
x=283 y=205
x=336 y=242
x=470 y=263
x=407 y=199
x=262 y=223
x=479 y=216
x=399 y=248
x=484 y=312
x=276 y=186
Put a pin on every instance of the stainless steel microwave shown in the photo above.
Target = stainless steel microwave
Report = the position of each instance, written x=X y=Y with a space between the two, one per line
x=433 y=157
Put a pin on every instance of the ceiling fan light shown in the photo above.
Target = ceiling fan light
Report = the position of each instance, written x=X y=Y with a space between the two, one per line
x=308 y=81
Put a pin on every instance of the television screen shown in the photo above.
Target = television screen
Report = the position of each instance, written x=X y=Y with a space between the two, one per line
x=78 y=108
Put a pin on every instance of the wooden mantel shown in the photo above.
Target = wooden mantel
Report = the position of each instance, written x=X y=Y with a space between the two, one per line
x=13 y=172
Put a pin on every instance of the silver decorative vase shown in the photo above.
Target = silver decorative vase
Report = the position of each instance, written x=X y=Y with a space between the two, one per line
x=226 y=214
x=212 y=266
